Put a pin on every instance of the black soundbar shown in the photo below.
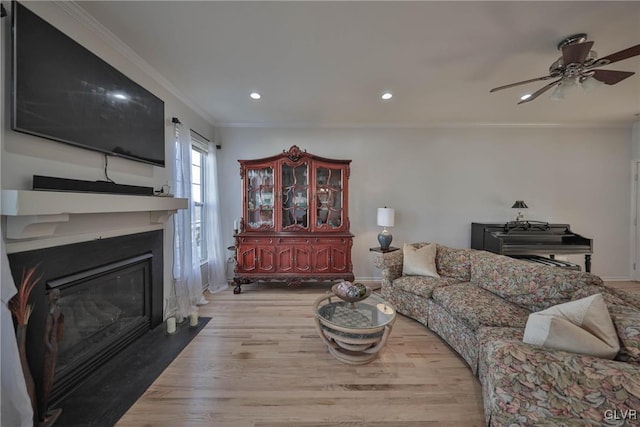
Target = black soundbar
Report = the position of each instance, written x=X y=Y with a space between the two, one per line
x=64 y=184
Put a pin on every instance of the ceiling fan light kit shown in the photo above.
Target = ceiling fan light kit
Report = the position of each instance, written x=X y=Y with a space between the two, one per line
x=563 y=88
x=589 y=84
x=577 y=65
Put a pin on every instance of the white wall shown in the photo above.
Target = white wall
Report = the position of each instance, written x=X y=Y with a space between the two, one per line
x=635 y=141
x=440 y=180
x=24 y=156
x=634 y=243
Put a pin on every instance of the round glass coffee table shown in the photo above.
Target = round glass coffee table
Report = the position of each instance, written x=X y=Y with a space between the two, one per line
x=354 y=332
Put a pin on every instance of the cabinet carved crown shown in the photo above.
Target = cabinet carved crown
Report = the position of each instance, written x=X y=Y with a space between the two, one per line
x=294 y=153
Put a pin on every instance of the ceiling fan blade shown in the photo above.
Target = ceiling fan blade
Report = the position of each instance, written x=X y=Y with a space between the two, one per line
x=540 y=91
x=521 y=83
x=611 y=77
x=575 y=53
x=619 y=56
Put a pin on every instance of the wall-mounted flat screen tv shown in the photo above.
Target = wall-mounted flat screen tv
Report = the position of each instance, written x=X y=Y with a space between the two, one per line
x=63 y=92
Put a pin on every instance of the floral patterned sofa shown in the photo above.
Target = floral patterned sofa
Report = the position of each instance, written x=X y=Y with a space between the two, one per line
x=480 y=306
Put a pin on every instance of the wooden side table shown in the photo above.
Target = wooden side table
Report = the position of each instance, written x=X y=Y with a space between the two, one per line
x=384 y=251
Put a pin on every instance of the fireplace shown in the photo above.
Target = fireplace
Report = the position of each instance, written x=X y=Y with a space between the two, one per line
x=104 y=309
x=110 y=293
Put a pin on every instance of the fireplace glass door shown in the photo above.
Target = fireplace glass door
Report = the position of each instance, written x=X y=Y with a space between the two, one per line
x=104 y=310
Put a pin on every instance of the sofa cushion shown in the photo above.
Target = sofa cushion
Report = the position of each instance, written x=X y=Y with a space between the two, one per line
x=455 y=332
x=477 y=307
x=534 y=287
x=581 y=326
x=625 y=316
x=504 y=419
x=626 y=320
x=453 y=262
x=488 y=334
x=422 y=285
x=609 y=297
x=530 y=384
x=419 y=261
x=406 y=303
x=630 y=298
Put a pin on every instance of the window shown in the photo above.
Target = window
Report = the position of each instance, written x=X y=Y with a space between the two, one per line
x=198 y=170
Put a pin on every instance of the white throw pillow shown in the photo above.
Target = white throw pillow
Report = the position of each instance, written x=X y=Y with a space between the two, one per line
x=582 y=326
x=419 y=262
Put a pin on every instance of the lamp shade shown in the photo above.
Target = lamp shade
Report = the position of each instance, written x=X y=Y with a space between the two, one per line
x=519 y=204
x=386 y=217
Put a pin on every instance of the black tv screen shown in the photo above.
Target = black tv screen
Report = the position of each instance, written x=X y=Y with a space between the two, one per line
x=63 y=92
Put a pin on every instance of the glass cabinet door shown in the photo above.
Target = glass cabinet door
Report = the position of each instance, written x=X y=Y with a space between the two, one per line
x=329 y=198
x=260 y=198
x=295 y=196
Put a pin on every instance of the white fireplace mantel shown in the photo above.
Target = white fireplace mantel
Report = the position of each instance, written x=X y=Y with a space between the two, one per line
x=36 y=214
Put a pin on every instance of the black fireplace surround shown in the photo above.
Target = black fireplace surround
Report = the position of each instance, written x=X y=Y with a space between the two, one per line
x=112 y=291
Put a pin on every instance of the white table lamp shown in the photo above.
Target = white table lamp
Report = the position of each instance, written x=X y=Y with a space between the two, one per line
x=386 y=218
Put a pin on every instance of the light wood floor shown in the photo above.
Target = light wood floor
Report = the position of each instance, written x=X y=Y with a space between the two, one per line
x=630 y=286
x=260 y=363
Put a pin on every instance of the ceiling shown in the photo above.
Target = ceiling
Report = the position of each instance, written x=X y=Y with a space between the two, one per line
x=326 y=63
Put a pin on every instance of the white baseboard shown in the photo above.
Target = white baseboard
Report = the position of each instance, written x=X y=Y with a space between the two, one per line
x=617 y=279
x=367 y=279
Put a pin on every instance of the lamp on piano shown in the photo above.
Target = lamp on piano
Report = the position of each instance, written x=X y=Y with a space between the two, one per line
x=386 y=218
x=520 y=204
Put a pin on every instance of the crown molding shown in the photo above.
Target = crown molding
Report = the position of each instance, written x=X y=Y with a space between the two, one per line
x=83 y=17
x=425 y=125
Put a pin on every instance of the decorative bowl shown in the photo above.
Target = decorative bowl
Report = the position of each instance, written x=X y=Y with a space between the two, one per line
x=351 y=292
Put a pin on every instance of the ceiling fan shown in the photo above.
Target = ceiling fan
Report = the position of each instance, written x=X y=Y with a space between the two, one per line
x=578 y=63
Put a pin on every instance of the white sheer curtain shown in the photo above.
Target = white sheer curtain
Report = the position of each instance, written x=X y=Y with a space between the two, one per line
x=213 y=229
x=187 y=279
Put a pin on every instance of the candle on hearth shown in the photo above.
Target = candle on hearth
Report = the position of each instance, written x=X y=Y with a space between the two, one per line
x=171 y=325
x=193 y=318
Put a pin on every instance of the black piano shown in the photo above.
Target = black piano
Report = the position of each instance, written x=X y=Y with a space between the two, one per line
x=520 y=238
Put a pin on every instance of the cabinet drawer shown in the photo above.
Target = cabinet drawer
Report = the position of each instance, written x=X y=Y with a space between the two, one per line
x=257 y=240
x=294 y=240
x=331 y=240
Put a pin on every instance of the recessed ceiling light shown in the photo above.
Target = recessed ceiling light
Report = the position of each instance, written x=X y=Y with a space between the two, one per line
x=525 y=97
x=255 y=95
x=386 y=95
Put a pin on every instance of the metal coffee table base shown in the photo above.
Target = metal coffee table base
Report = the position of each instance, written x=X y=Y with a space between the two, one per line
x=352 y=348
